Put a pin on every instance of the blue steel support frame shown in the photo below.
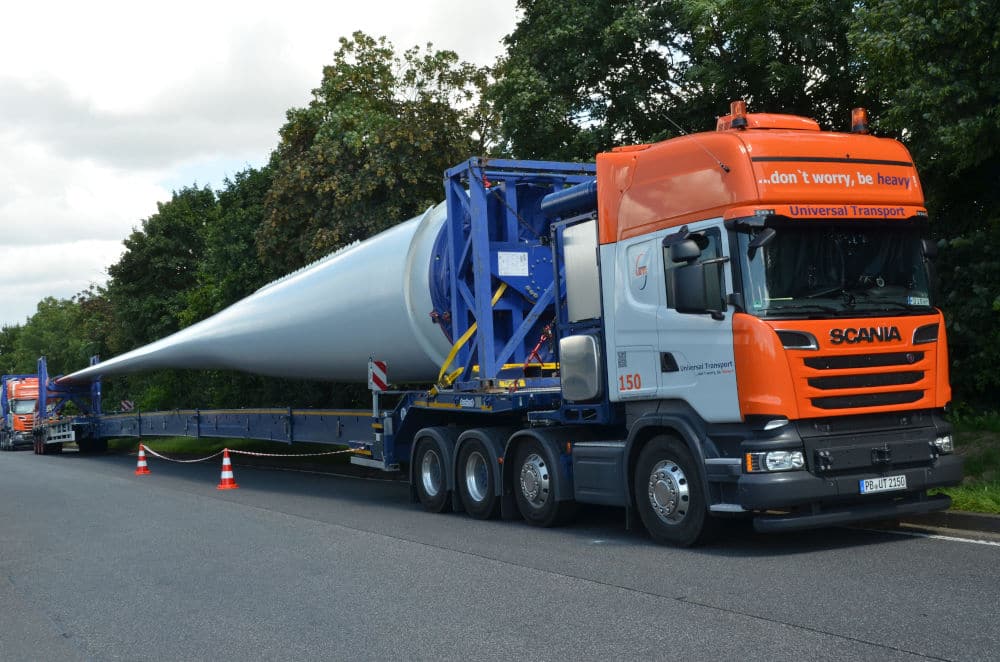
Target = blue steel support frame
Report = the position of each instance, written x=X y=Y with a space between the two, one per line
x=87 y=398
x=493 y=208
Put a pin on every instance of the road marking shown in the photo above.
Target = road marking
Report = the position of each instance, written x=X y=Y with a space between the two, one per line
x=936 y=536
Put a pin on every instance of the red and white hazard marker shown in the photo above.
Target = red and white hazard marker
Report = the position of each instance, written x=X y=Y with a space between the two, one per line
x=141 y=468
x=378 y=375
x=227 y=481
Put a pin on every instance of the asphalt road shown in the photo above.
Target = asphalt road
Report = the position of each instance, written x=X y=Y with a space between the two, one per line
x=97 y=563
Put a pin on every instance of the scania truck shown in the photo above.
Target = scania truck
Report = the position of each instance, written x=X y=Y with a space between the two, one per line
x=729 y=324
x=18 y=402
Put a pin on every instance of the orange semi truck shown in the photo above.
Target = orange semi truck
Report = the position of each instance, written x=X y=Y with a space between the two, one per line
x=18 y=402
x=730 y=324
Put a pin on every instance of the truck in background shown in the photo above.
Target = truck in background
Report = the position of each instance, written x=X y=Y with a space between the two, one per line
x=731 y=324
x=18 y=402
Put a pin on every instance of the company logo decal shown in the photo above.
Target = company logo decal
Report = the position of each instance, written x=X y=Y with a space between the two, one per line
x=852 y=336
x=641 y=271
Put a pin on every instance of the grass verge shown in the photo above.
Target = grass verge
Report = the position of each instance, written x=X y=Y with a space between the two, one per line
x=189 y=447
x=977 y=439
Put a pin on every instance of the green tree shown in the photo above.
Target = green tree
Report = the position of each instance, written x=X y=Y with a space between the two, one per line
x=228 y=267
x=149 y=284
x=935 y=66
x=369 y=150
x=8 y=346
x=57 y=331
x=583 y=76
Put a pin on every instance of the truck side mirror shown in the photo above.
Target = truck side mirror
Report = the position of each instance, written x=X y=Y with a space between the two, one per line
x=760 y=240
x=685 y=251
x=690 y=289
x=699 y=288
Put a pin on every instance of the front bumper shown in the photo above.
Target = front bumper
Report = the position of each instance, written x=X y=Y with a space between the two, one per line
x=815 y=501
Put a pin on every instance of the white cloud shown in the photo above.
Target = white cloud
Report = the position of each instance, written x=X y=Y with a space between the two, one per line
x=106 y=106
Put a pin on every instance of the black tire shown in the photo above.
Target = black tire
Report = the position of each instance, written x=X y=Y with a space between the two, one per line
x=669 y=494
x=430 y=477
x=6 y=441
x=535 y=487
x=476 y=480
x=54 y=449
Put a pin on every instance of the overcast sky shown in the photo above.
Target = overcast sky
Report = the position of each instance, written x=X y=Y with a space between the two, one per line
x=107 y=107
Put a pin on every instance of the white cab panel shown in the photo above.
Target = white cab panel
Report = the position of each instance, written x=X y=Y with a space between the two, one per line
x=642 y=328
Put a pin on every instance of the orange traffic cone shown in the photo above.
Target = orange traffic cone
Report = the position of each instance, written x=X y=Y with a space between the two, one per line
x=141 y=468
x=227 y=482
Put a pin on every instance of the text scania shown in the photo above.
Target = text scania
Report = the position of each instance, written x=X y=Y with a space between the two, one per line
x=871 y=334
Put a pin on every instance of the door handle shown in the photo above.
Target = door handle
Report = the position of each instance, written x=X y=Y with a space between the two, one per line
x=668 y=363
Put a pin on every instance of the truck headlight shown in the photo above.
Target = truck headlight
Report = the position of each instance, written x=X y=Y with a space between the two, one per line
x=775 y=461
x=944 y=444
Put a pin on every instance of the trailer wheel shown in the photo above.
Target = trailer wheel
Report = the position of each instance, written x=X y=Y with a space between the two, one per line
x=429 y=475
x=476 y=480
x=669 y=494
x=535 y=487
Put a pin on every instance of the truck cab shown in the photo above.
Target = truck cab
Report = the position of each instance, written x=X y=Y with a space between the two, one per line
x=18 y=403
x=769 y=328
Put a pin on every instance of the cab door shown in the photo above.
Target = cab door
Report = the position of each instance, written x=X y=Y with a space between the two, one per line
x=696 y=359
x=633 y=362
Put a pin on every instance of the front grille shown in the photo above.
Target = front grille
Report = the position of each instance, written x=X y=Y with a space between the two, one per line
x=867 y=400
x=867 y=380
x=863 y=360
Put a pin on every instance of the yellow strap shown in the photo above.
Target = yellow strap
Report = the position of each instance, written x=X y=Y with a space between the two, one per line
x=445 y=379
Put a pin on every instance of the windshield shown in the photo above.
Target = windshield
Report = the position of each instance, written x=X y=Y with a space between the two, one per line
x=23 y=406
x=812 y=269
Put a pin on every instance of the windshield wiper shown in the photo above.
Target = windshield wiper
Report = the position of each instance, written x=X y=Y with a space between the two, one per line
x=836 y=289
x=792 y=309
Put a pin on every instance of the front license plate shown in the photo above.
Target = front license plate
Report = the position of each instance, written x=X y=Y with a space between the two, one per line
x=884 y=484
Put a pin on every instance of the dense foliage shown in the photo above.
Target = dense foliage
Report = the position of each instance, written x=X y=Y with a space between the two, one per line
x=578 y=76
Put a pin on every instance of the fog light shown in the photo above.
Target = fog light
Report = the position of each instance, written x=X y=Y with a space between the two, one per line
x=945 y=444
x=774 y=461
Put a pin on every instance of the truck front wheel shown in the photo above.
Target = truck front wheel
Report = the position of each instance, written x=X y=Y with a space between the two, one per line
x=429 y=475
x=536 y=485
x=669 y=495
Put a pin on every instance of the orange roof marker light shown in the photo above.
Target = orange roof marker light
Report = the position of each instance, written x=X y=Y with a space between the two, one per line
x=738 y=111
x=859 y=120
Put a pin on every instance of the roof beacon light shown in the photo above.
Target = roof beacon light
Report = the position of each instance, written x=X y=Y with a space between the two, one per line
x=738 y=110
x=859 y=120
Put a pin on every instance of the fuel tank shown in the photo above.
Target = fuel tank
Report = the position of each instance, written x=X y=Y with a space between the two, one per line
x=373 y=298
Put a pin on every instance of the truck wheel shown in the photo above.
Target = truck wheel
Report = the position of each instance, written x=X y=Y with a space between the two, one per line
x=535 y=485
x=431 y=480
x=476 y=480
x=669 y=494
